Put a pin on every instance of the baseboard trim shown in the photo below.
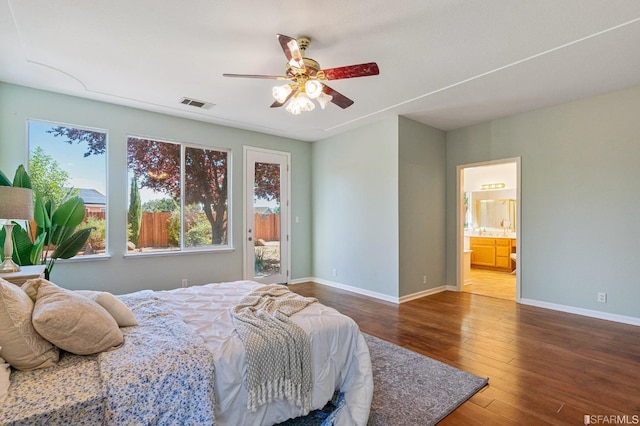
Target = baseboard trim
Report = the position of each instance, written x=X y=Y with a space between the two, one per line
x=301 y=280
x=375 y=295
x=352 y=289
x=581 y=311
x=424 y=293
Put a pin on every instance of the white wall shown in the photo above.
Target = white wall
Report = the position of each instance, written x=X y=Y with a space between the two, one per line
x=580 y=198
x=119 y=274
x=355 y=208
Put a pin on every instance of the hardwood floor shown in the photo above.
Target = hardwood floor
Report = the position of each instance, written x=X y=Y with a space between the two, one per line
x=492 y=283
x=544 y=366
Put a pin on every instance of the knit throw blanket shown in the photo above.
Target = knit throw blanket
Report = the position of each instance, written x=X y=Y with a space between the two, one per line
x=278 y=350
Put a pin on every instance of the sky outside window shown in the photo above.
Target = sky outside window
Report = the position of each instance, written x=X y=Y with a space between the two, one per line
x=84 y=172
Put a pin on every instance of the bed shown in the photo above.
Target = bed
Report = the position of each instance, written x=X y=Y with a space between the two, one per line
x=185 y=364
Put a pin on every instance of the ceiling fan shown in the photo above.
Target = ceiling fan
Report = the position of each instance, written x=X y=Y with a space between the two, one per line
x=306 y=78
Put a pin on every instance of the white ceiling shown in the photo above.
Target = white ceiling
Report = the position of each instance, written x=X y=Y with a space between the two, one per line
x=445 y=63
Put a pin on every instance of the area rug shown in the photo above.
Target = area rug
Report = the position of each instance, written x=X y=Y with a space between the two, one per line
x=409 y=388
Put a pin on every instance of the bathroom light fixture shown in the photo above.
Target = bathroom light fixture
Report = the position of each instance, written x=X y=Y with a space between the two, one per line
x=486 y=186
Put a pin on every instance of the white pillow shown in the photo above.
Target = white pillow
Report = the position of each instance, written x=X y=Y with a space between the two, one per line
x=22 y=346
x=5 y=373
x=118 y=310
x=73 y=322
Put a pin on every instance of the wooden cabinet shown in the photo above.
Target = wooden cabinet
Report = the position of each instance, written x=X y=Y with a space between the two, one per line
x=483 y=251
x=503 y=250
x=492 y=253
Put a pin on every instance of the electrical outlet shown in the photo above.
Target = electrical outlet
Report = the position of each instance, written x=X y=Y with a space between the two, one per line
x=602 y=297
x=335 y=272
x=185 y=282
x=424 y=279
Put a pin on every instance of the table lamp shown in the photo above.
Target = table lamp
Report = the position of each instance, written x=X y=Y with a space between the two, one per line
x=15 y=204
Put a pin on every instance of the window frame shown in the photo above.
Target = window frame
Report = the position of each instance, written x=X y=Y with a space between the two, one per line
x=182 y=250
x=53 y=123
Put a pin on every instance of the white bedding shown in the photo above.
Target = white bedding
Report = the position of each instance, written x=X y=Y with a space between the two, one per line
x=340 y=356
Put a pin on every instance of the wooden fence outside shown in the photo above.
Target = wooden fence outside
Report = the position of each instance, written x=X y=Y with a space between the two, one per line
x=267 y=227
x=154 y=229
x=97 y=215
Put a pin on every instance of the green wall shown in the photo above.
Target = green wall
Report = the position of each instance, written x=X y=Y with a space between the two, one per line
x=117 y=273
x=368 y=199
x=379 y=208
x=355 y=208
x=421 y=207
x=579 y=194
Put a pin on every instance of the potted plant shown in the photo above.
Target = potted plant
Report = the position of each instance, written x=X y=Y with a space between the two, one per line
x=55 y=228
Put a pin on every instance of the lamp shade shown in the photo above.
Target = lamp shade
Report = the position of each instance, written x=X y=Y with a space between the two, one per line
x=280 y=93
x=323 y=99
x=16 y=203
x=313 y=88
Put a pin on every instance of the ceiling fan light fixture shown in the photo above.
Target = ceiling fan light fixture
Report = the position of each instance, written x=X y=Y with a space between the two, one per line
x=280 y=93
x=306 y=77
x=300 y=103
x=324 y=99
x=313 y=88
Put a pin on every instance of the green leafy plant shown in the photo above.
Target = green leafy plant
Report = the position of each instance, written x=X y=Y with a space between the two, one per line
x=56 y=228
x=259 y=260
x=98 y=237
x=135 y=211
x=198 y=229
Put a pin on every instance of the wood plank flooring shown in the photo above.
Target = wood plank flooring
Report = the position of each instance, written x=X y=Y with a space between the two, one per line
x=544 y=366
x=492 y=283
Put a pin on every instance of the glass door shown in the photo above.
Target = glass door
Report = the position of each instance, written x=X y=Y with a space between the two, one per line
x=266 y=220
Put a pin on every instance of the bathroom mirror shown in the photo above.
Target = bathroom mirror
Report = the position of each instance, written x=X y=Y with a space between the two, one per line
x=489 y=214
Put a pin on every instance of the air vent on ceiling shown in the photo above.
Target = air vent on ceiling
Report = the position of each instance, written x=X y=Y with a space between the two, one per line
x=196 y=103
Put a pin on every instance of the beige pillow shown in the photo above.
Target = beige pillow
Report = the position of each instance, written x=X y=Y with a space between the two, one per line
x=5 y=374
x=118 y=310
x=22 y=346
x=72 y=322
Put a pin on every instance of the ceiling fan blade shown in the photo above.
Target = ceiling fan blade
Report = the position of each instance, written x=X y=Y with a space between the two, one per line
x=351 y=71
x=269 y=77
x=291 y=51
x=277 y=104
x=338 y=98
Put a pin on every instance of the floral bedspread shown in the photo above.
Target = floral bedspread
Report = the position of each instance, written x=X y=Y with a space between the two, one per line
x=67 y=394
x=163 y=374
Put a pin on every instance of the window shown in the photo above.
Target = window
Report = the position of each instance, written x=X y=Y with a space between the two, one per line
x=67 y=161
x=178 y=197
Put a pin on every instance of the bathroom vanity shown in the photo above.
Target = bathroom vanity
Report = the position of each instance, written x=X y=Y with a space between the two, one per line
x=492 y=252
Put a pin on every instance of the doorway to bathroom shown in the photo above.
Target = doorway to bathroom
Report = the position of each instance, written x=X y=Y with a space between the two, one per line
x=488 y=227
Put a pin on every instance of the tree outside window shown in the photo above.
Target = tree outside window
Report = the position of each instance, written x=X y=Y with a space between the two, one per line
x=183 y=191
x=67 y=161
